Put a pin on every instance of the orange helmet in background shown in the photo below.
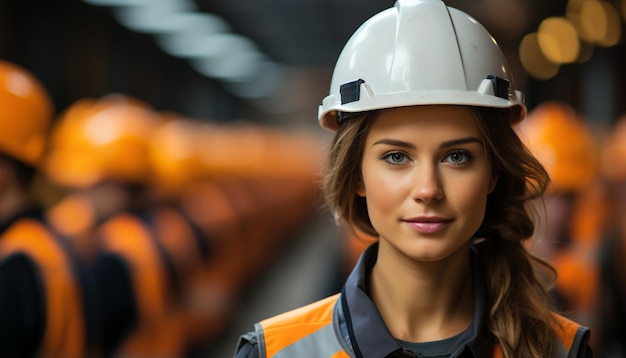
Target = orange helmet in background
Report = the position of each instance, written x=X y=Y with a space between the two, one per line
x=170 y=152
x=27 y=111
x=104 y=139
x=560 y=139
x=613 y=159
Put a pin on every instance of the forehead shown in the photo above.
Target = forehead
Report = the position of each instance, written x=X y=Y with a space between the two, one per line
x=426 y=122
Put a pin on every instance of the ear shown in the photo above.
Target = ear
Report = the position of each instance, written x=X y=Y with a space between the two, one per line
x=360 y=187
x=492 y=183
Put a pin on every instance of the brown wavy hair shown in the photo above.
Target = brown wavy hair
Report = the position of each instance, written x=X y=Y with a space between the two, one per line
x=518 y=282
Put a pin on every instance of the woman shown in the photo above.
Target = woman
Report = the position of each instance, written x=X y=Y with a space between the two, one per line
x=425 y=159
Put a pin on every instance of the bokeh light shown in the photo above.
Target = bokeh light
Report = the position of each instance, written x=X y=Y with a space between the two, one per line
x=558 y=40
x=533 y=59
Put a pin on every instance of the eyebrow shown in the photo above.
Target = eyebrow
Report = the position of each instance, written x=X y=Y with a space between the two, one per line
x=446 y=144
x=465 y=140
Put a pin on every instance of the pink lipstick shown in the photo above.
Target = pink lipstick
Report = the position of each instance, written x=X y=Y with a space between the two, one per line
x=428 y=224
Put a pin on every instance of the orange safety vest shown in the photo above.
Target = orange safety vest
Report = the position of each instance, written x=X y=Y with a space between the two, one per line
x=65 y=328
x=159 y=329
x=309 y=332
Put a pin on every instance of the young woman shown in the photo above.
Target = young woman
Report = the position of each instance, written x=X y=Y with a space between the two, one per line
x=426 y=160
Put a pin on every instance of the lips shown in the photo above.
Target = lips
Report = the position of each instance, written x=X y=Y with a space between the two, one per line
x=428 y=224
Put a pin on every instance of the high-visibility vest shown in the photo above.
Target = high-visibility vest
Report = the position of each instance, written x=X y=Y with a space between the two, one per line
x=308 y=332
x=64 y=334
x=158 y=331
x=304 y=332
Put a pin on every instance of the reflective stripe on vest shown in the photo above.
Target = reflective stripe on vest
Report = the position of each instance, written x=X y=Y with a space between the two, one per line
x=64 y=332
x=305 y=332
x=308 y=332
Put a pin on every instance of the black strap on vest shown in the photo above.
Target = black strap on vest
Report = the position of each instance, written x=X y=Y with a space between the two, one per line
x=346 y=313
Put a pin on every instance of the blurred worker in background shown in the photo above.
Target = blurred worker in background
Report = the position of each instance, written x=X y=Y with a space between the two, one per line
x=248 y=189
x=571 y=214
x=613 y=301
x=45 y=297
x=175 y=215
x=98 y=152
x=424 y=158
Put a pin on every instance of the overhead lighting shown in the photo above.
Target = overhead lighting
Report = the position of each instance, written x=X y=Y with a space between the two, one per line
x=264 y=83
x=152 y=17
x=190 y=34
x=205 y=40
x=229 y=56
x=115 y=2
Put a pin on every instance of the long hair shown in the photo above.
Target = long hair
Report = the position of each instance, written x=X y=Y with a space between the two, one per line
x=520 y=313
x=519 y=307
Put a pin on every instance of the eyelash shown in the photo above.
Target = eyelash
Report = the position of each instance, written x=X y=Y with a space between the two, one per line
x=468 y=157
x=387 y=157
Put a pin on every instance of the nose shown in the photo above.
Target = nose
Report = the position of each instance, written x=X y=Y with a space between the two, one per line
x=427 y=184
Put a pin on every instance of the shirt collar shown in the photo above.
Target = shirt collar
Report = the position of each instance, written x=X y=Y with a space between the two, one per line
x=370 y=337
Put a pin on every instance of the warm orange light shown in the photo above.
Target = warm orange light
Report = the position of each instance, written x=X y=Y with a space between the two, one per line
x=599 y=23
x=585 y=53
x=614 y=26
x=534 y=61
x=558 y=40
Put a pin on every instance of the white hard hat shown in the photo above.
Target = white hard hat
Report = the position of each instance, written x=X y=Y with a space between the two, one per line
x=419 y=52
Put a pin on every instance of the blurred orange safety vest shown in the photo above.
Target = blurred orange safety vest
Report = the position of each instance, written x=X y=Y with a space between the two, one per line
x=159 y=250
x=64 y=334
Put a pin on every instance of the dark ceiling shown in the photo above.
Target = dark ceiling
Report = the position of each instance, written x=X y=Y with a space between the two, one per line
x=312 y=32
x=81 y=49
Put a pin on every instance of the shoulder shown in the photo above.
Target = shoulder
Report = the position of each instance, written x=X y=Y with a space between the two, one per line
x=288 y=326
x=18 y=268
x=30 y=236
x=248 y=346
x=319 y=312
x=573 y=336
x=25 y=248
x=25 y=227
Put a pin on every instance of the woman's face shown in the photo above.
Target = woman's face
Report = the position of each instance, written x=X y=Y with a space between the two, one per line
x=425 y=178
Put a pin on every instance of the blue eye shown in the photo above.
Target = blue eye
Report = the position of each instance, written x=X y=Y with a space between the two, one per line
x=395 y=158
x=458 y=158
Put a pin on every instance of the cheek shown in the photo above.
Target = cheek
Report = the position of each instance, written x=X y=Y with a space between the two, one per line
x=381 y=190
x=384 y=192
x=469 y=195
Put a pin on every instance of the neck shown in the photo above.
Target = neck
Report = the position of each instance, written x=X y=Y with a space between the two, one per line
x=423 y=301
